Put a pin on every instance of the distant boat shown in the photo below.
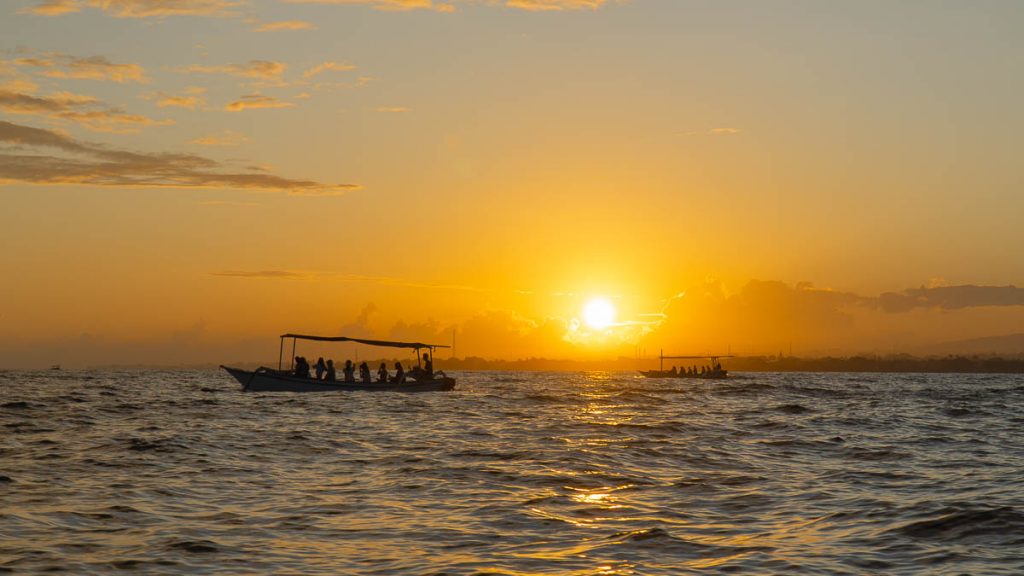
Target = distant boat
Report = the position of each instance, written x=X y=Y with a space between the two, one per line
x=714 y=372
x=266 y=379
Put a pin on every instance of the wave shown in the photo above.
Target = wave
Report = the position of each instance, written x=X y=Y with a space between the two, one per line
x=195 y=546
x=793 y=409
x=155 y=445
x=960 y=525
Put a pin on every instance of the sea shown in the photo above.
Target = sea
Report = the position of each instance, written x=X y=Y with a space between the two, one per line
x=180 y=472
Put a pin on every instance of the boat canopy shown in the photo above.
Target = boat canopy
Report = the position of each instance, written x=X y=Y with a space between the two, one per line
x=712 y=357
x=389 y=344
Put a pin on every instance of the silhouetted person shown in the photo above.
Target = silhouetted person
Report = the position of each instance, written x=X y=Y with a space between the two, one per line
x=301 y=367
x=349 y=371
x=364 y=373
x=399 y=376
x=331 y=375
x=382 y=373
x=428 y=365
x=674 y=371
x=320 y=368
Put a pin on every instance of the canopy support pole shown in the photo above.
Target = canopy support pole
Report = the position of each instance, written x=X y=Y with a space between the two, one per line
x=280 y=355
x=291 y=363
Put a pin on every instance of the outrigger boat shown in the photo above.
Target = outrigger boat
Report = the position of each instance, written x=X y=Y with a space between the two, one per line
x=715 y=373
x=265 y=379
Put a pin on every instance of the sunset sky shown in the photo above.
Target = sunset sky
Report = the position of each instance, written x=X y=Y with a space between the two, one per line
x=183 y=180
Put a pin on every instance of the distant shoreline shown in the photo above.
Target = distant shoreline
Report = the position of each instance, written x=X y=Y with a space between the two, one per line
x=952 y=364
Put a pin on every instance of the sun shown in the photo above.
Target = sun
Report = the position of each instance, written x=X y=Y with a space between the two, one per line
x=598 y=313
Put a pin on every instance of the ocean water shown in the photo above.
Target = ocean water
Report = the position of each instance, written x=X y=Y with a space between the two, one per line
x=179 y=472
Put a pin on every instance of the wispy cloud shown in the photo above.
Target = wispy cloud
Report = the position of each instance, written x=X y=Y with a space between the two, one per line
x=284 y=25
x=137 y=8
x=327 y=66
x=342 y=277
x=20 y=85
x=53 y=8
x=405 y=5
x=58 y=65
x=388 y=5
x=53 y=158
x=265 y=274
x=160 y=8
x=951 y=297
x=723 y=131
x=553 y=5
x=226 y=138
x=190 y=100
x=257 y=69
x=86 y=111
x=256 y=101
x=227 y=203
x=392 y=109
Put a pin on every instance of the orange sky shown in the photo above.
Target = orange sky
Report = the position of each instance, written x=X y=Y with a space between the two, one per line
x=187 y=181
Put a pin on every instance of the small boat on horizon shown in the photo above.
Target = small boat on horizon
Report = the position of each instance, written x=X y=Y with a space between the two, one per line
x=713 y=372
x=418 y=379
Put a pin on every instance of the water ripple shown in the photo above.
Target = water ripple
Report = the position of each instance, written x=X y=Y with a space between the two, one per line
x=180 y=473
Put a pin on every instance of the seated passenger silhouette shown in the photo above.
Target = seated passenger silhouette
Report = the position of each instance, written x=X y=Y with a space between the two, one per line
x=331 y=375
x=399 y=376
x=301 y=367
x=349 y=371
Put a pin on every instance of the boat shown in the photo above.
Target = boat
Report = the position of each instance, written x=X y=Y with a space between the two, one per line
x=265 y=379
x=715 y=373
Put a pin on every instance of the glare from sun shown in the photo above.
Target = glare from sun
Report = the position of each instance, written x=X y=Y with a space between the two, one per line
x=599 y=313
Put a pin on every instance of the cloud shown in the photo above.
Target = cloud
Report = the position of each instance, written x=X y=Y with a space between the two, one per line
x=765 y=314
x=227 y=203
x=46 y=157
x=284 y=25
x=392 y=109
x=58 y=65
x=22 y=85
x=258 y=69
x=53 y=8
x=360 y=278
x=388 y=5
x=553 y=5
x=226 y=138
x=264 y=274
x=256 y=101
x=84 y=110
x=138 y=8
x=360 y=328
x=724 y=131
x=327 y=66
x=951 y=297
x=190 y=100
x=159 y=8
